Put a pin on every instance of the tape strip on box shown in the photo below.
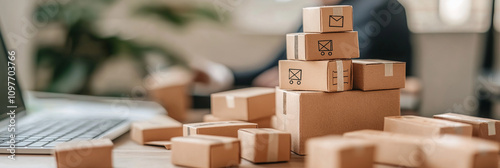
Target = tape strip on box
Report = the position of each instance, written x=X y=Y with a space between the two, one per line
x=230 y=101
x=296 y=46
x=340 y=75
x=491 y=128
x=272 y=147
x=389 y=69
x=338 y=11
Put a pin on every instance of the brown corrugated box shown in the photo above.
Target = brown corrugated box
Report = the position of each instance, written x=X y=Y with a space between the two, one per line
x=317 y=46
x=481 y=127
x=221 y=128
x=264 y=145
x=244 y=104
x=261 y=122
x=393 y=148
x=373 y=74
x=461 y=152
x=327 y=18
x=338 y=152
x=315 y=75
x=160 y=128
x=307 y=114
x=205 y=151
x=91 y=153
x=423 y=126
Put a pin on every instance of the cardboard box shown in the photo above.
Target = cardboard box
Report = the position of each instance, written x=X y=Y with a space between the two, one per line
x=327 y=19
x=422 y=126
x=461 y=152
x=91 y=153
x=275 y=123
x=307 y=114
x=264 y=145
x=338 y=152
x=261 y=123
x=481 y=127
x=315 y=75
x=244 y=104
x=317 y=46
x=205 y=151
x=373 y=74
x=161 y=128
x=221 y=128
x=393 y=148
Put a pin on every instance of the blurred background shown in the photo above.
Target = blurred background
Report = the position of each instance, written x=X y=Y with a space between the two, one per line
x=177 y=52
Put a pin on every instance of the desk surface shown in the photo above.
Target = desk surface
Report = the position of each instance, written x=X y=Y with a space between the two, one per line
x=127 y=153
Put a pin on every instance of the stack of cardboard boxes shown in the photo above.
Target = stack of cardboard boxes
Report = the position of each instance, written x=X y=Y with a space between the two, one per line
x=315 y=95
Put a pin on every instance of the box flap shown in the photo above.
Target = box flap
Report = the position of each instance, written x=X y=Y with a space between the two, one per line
x=375 y=61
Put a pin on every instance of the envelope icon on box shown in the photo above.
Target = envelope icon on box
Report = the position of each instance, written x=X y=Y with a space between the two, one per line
x=336 y=21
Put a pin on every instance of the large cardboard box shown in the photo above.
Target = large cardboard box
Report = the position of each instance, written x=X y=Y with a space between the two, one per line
x=393 y=148
x=264 y=145
x=316 y=75
x=261 y=122
x=91 y=153
x=461 y=152
x=327 y=19
x=244 y=104
x=307 y=114
x=373 y=74
x=338 y=152
x=422 y=126
x=317 y=46
x=222 y=128
x=160 y=128
x=205 y=151
x=481 y=127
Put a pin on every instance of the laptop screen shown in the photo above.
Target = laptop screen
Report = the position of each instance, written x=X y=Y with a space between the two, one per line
x=5 y=105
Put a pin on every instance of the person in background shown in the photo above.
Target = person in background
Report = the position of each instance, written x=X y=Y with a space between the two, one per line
x=383 y=34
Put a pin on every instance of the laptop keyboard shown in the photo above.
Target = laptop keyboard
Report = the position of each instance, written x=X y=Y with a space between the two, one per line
x=49 y=133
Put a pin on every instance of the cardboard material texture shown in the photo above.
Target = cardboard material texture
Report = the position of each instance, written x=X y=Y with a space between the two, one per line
x=393 y=148
x=307 y=114
x=161 y=128
x=373 y=74
x=317 y=46
x=91 y=153
x=316 y=75
x=275 y=123
x=461 y=152
x=327 y=18
x=481 y=127
x=244 y=104
x=338 y=152
x=423 y=126
x=264 y=145
x=222 y=128
x=261 y=122
x=205 y=151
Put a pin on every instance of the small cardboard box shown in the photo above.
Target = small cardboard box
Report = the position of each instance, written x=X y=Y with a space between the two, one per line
x=205 y=151
x=317 y=46
x=244 y=104
x=264 y=145
x=481 y=127
x=336 y=151
x=392 y=148
x=423 y=126
x=315 y=75
x=261 y=122
x=461 y=152
x=91 y=153
x=221 y=128
x=307 y=114
x=161 y=128
x=327 y=19
x=372 y=74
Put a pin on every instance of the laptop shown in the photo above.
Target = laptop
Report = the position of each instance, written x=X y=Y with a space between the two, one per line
x=61 y=118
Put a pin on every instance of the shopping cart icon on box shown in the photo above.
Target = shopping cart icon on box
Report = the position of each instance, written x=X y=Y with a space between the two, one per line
x=325 y=46
x=295 y=75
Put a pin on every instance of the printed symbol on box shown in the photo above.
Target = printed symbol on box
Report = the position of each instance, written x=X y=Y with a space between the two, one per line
x=335 y=77
x=336 y=21
x=325 y=46
x=295 y=75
